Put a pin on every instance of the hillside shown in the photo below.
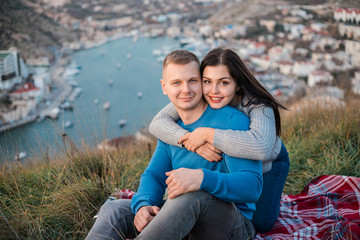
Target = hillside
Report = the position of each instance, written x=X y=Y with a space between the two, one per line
x=31 y=32
x=56 y=198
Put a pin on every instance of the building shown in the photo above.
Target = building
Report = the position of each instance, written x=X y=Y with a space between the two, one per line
x=262 y=61
x=279 y=53
x=353 y=49
x=349 y=31
x=269 y=24
x=356 y=83
x=303 y=68
x=12 y=69
x=319 y=77
x=347 y=15
x=284 y=67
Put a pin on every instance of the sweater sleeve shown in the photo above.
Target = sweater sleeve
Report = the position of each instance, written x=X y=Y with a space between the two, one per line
x=152 y=183
x=243 y=181
x=257 y=143
x=164 y=126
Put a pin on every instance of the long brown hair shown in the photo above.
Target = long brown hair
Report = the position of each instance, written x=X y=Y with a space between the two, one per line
x=250 y=88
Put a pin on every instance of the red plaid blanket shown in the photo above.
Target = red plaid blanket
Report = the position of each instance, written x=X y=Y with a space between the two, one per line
x=327 y=208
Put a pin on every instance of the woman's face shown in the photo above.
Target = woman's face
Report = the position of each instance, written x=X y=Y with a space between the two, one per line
x=219 y=88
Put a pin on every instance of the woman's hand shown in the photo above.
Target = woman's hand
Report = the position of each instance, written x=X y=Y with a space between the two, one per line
x=197 y=138
x=209 y=152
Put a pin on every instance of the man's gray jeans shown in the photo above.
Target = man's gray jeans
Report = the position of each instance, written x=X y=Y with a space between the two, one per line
x=196 y=214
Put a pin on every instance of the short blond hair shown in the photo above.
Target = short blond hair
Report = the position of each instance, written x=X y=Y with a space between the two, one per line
x=181 y=57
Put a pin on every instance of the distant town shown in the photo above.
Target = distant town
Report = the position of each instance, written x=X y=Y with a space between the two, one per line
x=296 y=51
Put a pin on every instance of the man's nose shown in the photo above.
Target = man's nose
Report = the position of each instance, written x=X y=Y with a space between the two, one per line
x=186 y=87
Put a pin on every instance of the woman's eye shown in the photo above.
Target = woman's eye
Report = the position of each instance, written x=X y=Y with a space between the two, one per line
x=224 y=83
x=206 y=81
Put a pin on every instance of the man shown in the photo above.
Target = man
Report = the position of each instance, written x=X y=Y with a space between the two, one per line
x=205 y=200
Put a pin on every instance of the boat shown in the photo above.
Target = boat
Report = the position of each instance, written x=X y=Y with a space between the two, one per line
x=96 y=101
x=20 y=155
x=75 y=93
x=73 y=83
x=139 y=94
x=68 y=124
x=66 y=105
x=122 y=123
x=40 y=118
x=118 y=65
x=156 y=52
x=110 y=82
x=160 y=59
x=128 y=55
x=53 y=113
x=106 y=106
x=135 y=38
x=70 y=72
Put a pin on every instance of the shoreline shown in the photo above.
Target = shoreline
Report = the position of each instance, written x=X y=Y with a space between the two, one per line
x=64 y=90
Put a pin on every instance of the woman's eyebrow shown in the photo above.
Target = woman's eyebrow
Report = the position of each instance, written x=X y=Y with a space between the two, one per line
x=222 y=78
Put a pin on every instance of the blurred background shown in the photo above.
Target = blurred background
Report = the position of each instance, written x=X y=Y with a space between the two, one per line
x=90 y=70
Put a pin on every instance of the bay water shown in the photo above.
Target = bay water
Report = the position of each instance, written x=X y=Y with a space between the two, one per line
x=130 y=68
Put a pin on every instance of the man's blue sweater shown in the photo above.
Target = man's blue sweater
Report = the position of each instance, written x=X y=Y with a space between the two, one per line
x=233 y=179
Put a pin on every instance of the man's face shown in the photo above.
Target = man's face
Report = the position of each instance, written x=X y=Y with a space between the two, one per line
x=182 y=84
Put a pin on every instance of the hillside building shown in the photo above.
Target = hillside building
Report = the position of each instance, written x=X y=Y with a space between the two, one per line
x=12 y=69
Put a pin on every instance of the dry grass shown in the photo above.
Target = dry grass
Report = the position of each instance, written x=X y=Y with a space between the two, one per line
x=57 y=198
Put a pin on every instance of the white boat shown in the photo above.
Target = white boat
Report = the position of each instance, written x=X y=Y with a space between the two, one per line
x=73 y=83
x=128 y=55
x=75 y=93
x=66 y=105
x=122 y=123
x=110 y=82
x=70 y=72
x=96 y=101
x=118 y=65
x=53 y=113
x=68 y=124
x=106 y=106
x=139 y=94
x=156 y=52
x=20 y=155
x=135 y=38
x=160 y=59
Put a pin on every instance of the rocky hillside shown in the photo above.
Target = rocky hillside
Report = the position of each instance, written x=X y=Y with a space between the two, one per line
x=31 y=32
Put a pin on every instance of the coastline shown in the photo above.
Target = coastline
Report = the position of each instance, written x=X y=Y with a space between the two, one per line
x=64 y=90
x=62 y=85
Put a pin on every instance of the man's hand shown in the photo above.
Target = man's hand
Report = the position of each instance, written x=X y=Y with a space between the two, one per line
x=144 y=215
x=198 y=138
x=209 y=152
x=183 y=180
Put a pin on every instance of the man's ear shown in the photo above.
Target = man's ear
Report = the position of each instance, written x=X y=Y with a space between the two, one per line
x=163 y=86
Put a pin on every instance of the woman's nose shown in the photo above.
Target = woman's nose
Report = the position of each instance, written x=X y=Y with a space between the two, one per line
x=215 y=88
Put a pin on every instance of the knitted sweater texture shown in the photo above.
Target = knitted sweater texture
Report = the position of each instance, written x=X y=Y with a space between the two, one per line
x=258 y=143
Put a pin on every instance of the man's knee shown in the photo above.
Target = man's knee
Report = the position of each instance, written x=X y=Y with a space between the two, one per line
x=189 y=199
x=112 y=210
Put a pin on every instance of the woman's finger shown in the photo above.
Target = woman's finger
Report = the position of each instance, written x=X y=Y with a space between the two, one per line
x=183 y=138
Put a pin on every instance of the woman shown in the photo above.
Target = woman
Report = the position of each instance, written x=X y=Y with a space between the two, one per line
x=226 y=80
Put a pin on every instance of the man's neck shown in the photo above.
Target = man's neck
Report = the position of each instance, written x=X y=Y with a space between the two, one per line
x=190 y=116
